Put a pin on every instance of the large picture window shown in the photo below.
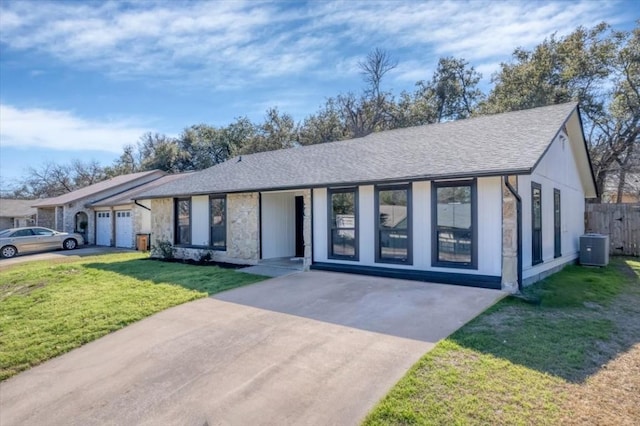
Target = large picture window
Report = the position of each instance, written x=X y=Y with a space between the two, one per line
x=393 y=224
x=183 y=221
x=218 y=221
x=454 y=224
x=343 y=224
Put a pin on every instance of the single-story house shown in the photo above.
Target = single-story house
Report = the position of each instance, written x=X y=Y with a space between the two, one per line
x=494 y=201
x=16 y=213
x=75 y=212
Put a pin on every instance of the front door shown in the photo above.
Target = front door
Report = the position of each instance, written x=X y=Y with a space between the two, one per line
x=299 y=226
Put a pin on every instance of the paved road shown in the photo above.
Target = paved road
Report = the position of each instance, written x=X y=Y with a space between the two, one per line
x=60 y=254
x=312 y=348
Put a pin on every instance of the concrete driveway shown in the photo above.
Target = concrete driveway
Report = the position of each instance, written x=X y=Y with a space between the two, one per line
x=60 y=254
x=314 y=348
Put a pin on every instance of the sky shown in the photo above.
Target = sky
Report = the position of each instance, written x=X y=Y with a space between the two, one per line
x=80 y=79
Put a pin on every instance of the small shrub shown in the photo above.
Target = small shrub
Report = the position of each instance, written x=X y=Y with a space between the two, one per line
x=205 y=256
x=164 y=249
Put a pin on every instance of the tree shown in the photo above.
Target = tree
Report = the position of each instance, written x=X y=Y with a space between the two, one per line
x=453 y=92
x=276 y=132
x=202 y=146
x=158 y=151
x=597 y=67
x=325 y=125
x=370 y=111
x=53 y=179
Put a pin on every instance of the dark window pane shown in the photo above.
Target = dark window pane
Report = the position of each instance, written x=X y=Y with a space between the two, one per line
x=454 y=224
x=393 y=209
x=343 y=242
x=343 y=209
x=454 y=246
x=454 y=207
x=343 y=224
x=537 y=210
x=184 y=221
x=218 y=236
x=218 y=222
x=394 y=244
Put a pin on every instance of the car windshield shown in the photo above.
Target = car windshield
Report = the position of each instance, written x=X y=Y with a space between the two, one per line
x=5 y=233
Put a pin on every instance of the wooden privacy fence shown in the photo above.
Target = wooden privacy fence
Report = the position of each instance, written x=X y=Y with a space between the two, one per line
x=621 y=222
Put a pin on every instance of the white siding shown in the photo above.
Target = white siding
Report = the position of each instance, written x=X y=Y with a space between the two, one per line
x=200 y=220
x=144 y=224
x=278 y=225
x=556 y=170
x=489 y=228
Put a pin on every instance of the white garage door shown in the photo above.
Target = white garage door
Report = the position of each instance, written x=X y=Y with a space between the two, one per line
x=103 y=228
x=124 y=229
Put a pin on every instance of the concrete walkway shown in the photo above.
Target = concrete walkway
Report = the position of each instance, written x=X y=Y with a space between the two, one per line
x=311 y=348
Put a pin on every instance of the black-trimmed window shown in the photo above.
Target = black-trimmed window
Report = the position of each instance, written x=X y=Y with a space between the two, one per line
x=536 y=223
x=218 y=222
x=393 y=224
x=183 y=221
x=557 y=224
x=343 y=223
x=454 y=211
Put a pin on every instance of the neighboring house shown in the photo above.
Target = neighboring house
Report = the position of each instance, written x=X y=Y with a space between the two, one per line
x=74 y=211
x=120 y=218
x=494 y=201
x=16 y=213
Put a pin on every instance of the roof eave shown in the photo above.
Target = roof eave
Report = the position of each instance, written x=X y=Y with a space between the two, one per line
x=491 y=173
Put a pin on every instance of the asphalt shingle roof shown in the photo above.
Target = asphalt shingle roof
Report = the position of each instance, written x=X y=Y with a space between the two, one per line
x=94 y=189
x=129 y=196
x=487 y=145
x=16 y=208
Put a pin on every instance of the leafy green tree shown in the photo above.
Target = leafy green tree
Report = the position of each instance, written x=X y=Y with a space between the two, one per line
x=158 y=151
x=325 y=125
x=597 y=67
x=202 y=146
x=276 y=132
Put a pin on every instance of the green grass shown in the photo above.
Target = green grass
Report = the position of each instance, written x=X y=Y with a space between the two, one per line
x=47 y=309
x=517 y=362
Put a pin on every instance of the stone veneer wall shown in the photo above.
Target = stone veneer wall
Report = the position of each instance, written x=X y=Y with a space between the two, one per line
x=47 y=217
x=509 y=238
x=243 y=236
x=70 y=220
x=306 y=230
x=161 y=221
x=243 y=242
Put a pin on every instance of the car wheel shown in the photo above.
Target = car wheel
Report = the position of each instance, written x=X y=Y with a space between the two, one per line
x=70 y=244
x=8 y=251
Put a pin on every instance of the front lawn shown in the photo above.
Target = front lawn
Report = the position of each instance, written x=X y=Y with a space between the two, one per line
x=574 y=358
x=49 y=308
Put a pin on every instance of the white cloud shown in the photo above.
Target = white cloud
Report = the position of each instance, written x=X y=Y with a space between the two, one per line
x=62 y=130
x=236 y=44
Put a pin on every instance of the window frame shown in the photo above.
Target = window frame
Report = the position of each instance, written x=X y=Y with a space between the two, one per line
x=534 y=261
x=331 y=227
x=557 y=223
x=222 y=197
x=435 y=261
x=409 y=229
x=176 y=220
